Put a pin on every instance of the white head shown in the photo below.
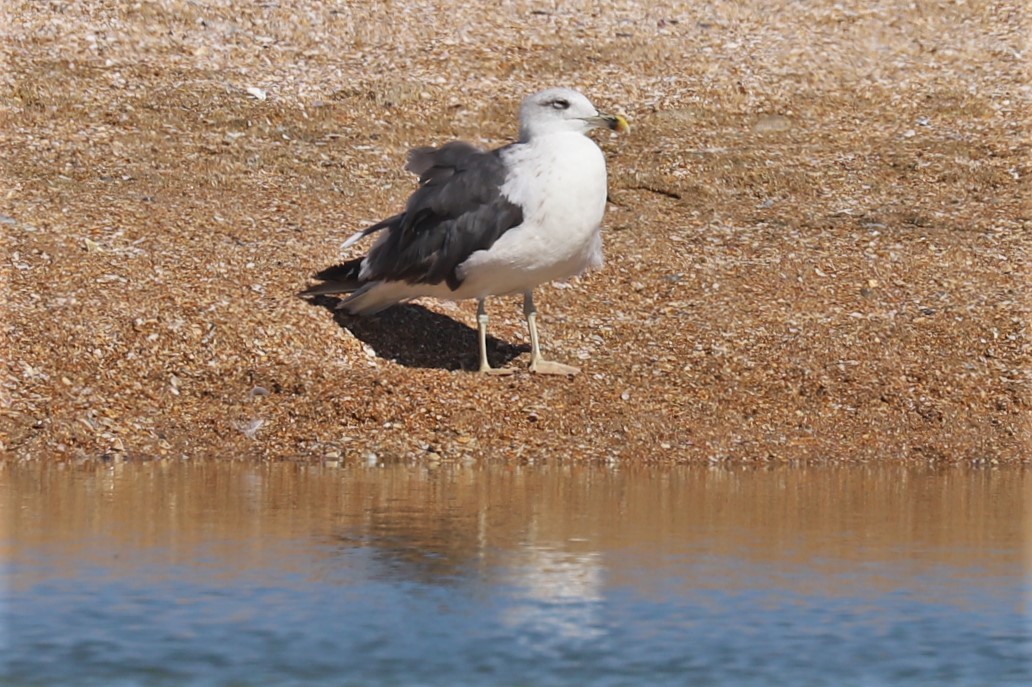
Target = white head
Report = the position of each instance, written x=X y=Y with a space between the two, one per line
x=563 y=110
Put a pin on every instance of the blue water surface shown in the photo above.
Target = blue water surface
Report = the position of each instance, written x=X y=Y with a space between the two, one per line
x=355 y=625
x=357 y=605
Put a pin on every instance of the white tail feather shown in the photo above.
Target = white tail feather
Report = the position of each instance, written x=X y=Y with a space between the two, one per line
x=355 y=238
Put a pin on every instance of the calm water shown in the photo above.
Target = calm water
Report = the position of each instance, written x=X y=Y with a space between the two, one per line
x=230 y=574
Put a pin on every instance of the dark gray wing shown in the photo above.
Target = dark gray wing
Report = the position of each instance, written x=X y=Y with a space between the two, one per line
x=457 y=210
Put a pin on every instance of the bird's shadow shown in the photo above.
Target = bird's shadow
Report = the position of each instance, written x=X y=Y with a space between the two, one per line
x=414 y=336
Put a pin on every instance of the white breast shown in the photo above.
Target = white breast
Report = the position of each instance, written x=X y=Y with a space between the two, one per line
x=561 y=187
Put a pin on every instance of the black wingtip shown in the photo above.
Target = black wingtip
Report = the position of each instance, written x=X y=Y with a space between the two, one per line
x=342 y=278
x=344 y=272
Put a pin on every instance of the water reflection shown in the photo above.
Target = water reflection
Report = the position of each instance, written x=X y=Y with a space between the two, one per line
x=216 y=573
x=556 y=593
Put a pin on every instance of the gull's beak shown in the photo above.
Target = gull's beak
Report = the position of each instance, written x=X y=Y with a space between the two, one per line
x=615 y=122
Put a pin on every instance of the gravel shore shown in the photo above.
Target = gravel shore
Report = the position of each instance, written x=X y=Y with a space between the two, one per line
x=817 y=239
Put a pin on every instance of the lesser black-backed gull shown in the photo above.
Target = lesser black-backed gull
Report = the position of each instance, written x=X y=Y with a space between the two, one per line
x=491 y=223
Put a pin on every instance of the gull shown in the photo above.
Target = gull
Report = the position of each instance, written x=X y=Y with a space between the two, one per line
x=490 y=222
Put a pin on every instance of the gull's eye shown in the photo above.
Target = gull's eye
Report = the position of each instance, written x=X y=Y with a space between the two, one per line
x=560 y=104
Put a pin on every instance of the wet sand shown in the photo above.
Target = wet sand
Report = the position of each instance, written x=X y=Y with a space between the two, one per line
x=817 y=239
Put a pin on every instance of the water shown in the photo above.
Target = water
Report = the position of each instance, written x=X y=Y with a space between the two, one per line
x=233 y=574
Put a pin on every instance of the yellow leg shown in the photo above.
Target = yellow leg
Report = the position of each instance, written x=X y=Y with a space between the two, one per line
x=537 y=363
x=485 y=366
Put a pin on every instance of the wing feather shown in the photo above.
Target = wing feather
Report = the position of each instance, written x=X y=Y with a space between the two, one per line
x=457 y=210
